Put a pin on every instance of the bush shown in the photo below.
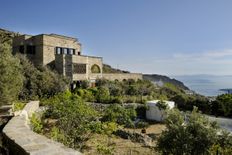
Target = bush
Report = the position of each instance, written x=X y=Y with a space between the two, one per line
x=129 y=99
x=193 y=137
x=222 y=105
x=118 y=114
x=85 y=84
x=36 y=123
x=74 y=118
x=105 y=149
x=85 y=94
x=57 y=135
x=117 y=99
x=223 y=144
x=103 y=95
x=18 y=106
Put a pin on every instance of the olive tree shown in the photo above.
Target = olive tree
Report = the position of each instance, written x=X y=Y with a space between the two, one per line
x=11 y=79
x=195 y=136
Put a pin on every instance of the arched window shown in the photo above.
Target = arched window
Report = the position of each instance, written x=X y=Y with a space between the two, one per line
x=95 y=69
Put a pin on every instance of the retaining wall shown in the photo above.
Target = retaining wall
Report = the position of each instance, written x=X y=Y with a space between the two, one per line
x=21 y=140
x=122 y=76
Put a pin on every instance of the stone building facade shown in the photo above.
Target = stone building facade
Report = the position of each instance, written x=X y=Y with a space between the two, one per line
x=65 y=54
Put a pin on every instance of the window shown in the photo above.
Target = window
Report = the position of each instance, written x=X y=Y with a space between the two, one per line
x=21 y=49
x=79 y=68
x=78 y=53
x=30 y=49
x=61 y=50
x=74 y=52
x=70 y=51
x=58 y=50
x=65 y=51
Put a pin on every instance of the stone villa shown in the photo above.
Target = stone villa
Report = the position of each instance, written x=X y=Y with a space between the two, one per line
x=65 y=54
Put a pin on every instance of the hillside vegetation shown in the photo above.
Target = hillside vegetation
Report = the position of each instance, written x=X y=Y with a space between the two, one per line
x=109 y=69
x=161 y=79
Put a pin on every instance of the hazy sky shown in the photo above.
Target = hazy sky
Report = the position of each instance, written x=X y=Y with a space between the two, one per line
x=172 y=37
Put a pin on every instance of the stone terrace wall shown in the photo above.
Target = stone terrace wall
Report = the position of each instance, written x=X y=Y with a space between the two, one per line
x=122 y=76
x=21 y=140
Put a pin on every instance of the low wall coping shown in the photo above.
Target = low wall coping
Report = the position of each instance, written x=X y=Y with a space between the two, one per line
x=29 y=142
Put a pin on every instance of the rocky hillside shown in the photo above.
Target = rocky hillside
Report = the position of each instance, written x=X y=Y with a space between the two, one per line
x=161 y=79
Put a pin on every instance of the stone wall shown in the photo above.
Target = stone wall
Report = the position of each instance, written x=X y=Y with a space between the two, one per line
x=50 y=42
x=21 y=140
x=122 y=76
x=25 y=40
x=67 y=68
x=45 y=46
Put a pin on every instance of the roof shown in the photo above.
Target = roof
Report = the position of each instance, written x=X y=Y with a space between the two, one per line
x=61 y=36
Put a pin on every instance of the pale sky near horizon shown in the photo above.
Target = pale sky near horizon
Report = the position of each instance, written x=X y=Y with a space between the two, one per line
x=170 y=37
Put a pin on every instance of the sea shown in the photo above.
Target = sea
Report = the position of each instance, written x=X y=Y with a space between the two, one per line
x=208 y=85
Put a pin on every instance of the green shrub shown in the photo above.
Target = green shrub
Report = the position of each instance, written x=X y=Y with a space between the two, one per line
x=116 y=99
x=75 y=119
x=57 y=135
x=18 y=106
x=36 y=123
x=85 y=94
x=142 y=124
x=193 y=137
x=118 y=114
x=105 y=149
x=85 y=84
x=103 y=95
x=129 y=99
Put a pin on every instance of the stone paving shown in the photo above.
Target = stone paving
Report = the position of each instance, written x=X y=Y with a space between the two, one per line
x=18 y=132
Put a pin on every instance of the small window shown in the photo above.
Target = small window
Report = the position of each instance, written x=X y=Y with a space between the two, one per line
x=21 y=49
x=65 y=51
x=74 y=52
x=70 y=51
x=79 y=53
x=58 y=50
x=30 y=49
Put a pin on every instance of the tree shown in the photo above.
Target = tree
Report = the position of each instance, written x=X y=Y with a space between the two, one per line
x=11 y=78
x=223 y=105
x=118 y=114
x=40 y=81
x=163 y=107
x=103 y=95
x=195 y=136
x=74 y=118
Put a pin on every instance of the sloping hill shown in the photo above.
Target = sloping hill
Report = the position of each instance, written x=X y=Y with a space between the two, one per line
x=108 y=69
x=161 y=79
x=158 y=79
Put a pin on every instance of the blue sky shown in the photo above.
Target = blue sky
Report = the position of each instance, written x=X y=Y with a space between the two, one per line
x=171 y=37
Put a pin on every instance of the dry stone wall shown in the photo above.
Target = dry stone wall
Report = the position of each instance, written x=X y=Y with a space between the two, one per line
x=21 y=140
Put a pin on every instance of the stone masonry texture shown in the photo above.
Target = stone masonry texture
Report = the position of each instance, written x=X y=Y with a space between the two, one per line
x=21 y=140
